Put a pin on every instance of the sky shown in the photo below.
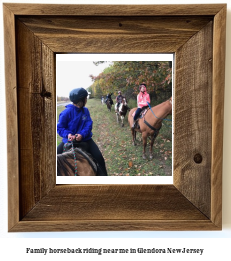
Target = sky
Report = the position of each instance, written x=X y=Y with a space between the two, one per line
x=73 y=70
x=75 y=74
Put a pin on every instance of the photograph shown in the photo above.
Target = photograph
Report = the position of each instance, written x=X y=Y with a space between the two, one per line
x=115 y=130
x=114 y=118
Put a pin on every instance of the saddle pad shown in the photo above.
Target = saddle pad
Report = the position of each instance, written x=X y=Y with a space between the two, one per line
x=141 y=115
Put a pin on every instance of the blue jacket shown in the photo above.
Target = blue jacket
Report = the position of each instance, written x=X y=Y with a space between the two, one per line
x=75 y=120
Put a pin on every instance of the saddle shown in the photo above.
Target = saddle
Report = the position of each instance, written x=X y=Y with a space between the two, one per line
x=142 y=113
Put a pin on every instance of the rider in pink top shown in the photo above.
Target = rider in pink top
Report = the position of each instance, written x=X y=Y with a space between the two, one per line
x=142 y=99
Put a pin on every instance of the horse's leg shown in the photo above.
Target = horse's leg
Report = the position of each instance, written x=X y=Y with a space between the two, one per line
x=117 y=117
x=144 y=136
x=122 y=121
x=133 y=137
x=153 y=138
x=151 y=146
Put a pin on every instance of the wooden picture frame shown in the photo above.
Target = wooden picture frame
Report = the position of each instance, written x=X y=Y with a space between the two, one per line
x=33 y=34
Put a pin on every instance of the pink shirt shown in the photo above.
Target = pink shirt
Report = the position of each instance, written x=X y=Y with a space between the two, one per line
x=142 y=99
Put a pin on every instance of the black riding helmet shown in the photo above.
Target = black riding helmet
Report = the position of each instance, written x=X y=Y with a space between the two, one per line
x=78 y=94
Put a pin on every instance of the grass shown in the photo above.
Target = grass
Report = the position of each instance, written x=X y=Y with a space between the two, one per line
x=59 y=109
x=115 y=143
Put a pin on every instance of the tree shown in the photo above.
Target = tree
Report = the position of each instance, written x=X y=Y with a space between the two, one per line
x=126 y=76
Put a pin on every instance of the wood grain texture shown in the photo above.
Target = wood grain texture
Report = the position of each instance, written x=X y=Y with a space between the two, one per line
x=115 y=10
x=36 y=107
x=218 y=114
x=98 y=208
x=114 y=225
x=11 y=117
x=100 y=203
x=115 y=34
x=191 y=203
x=193 y=126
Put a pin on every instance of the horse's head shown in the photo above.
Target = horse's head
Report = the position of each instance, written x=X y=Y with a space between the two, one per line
x=124 y=101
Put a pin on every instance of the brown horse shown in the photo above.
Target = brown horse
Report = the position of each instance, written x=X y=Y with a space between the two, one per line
x=150 y=124
x=122 y=111
x=108 y=103
x=78 y=163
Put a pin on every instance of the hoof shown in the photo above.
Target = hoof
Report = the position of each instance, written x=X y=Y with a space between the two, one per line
x=134 y=144
x=144 y=156
x=122 y=125
x=151 y=156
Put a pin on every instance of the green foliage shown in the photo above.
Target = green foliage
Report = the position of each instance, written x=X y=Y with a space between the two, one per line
x=59 y=110
x=126 y=76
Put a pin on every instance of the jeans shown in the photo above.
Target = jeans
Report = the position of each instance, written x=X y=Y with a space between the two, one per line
x=138 y=111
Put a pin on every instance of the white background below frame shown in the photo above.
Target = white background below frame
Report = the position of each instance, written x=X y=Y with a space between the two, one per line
x=116 y=179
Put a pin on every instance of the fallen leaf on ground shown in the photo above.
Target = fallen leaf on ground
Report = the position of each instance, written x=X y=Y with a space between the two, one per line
x=130 y=163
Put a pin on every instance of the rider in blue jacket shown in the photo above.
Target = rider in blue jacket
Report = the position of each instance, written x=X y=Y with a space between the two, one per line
x=74 y=120
x=75 y=124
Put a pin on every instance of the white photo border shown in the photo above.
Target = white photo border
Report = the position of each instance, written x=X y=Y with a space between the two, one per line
x=167 y=180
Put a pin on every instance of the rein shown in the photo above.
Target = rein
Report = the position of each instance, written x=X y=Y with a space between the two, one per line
x=155 y=115
x=75 y=160
x=75 y=150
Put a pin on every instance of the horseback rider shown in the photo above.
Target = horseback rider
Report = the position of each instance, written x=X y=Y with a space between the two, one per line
x=119 y=99
x=142 y=99
x=108 y=97
x=75 y=125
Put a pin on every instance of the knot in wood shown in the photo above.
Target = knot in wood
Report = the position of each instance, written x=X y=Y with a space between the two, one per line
x=198 y=158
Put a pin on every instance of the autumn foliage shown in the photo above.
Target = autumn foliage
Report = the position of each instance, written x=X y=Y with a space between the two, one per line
x=126 y=76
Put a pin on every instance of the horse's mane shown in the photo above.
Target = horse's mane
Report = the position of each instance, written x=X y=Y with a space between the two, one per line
x=63 y=164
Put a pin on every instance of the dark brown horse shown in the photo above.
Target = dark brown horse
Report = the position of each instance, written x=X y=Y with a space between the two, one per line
x=150 y=124
x=108 y=103
x=77 y=163
x=122 y=111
